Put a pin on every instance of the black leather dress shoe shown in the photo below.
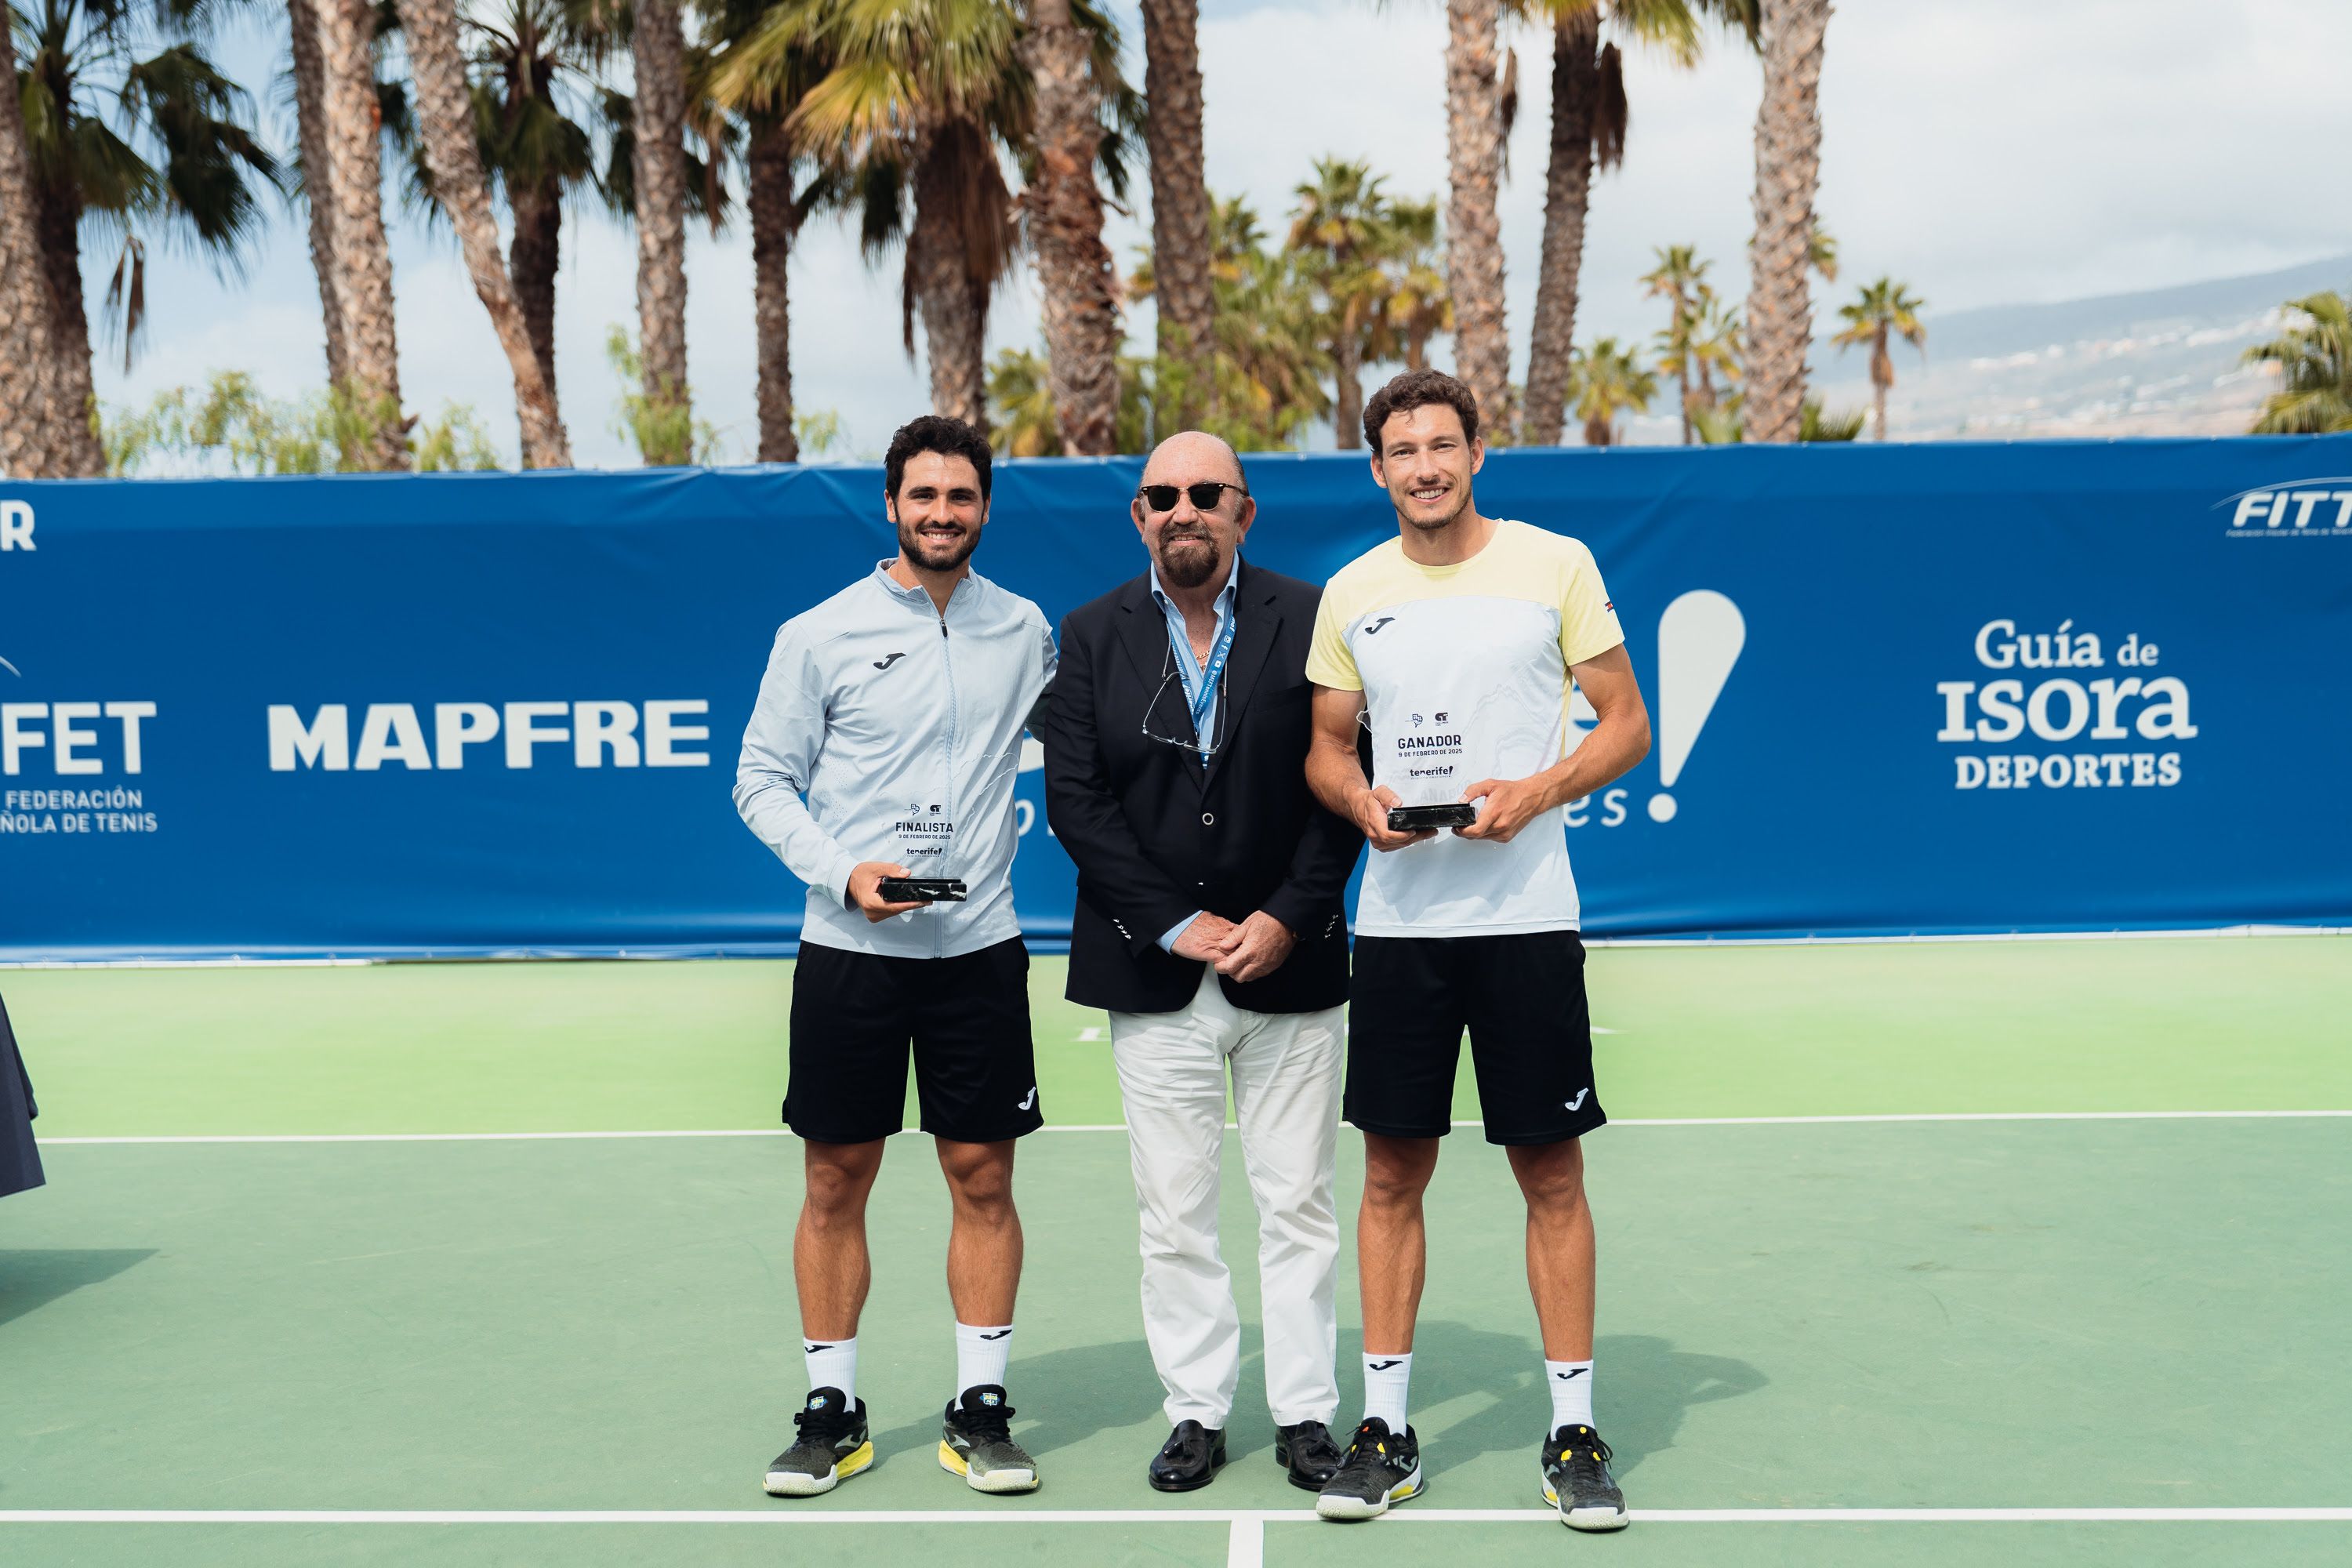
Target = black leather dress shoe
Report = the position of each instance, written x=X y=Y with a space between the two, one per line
x=1189 y=1459
x=1307 y=1452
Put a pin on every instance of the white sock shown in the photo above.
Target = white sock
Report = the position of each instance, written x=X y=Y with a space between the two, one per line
x=833 y=1364
x=1571 y=1393
x=1385 y=1377
x=980 y=1355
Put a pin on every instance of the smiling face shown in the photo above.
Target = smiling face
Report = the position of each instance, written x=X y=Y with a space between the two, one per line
x=938 y=511
x=1425 y=462
x=1191 y=547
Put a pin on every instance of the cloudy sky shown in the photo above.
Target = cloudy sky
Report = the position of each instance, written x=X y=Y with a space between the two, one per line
x=2002 y=151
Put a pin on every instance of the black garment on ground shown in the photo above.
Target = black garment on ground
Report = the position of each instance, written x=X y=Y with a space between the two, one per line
x=1156 y=837
x=20 y=1162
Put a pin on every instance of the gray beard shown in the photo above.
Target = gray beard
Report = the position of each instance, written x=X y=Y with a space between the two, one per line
x=1191 y=571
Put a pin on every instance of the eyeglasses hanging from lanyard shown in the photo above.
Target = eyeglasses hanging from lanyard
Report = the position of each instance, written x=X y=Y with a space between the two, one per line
x=1211 y=692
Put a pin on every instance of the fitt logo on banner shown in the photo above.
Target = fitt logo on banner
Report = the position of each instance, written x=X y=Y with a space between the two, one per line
x=1700 y=636
x=2298 y=509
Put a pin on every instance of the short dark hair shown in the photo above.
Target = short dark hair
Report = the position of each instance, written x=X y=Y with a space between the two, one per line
x=1418 y=389
x=934 y=433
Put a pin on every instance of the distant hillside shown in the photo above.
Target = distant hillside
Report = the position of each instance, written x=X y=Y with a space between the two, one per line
x=2161 y=362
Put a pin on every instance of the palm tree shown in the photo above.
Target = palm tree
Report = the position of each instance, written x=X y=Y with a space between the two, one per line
x=184 y=160
x=1065 y=219
x=445 y=111
x=1589 y=121
x=1343 y=229
x=351 y=115
x=657 y=46
x=1419 y=307
x=1680 y=280
x=310 y=133
x=535 y=63
x=1605 y=381
x=919 y=94
x=1714 y=349
x=1474 y=135
x=1788 y=173
x=779 y=203
x=2314 y=360
x=1265 y=376
x=919 y=97
x=1822 y=250
x=43 y=433
x=1180 y=191
x=1885 y=310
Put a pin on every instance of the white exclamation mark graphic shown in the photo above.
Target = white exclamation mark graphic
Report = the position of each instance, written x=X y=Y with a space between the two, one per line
x=1699 y=639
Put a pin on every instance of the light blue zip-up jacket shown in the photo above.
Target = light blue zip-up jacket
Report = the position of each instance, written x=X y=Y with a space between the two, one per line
x=886 y=731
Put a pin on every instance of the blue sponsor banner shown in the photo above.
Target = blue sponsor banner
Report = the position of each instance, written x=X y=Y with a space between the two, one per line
x=1930 y=688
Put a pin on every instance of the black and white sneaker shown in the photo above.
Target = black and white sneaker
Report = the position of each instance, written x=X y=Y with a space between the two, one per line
x=1381 y=1468
x=1576 y=1481
x=831 y=1446
x=976 y=1443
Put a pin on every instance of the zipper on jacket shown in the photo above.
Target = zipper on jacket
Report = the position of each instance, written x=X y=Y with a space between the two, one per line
x=947 y=662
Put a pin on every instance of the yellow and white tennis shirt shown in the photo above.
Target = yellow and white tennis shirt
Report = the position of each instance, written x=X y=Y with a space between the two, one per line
x=1464 y=675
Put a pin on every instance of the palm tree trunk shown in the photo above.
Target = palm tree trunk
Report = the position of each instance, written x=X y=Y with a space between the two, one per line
x=59 y=226
x=311 y=127
x=362 y=259
x=1066 y=220
x=1881 y=382
x=1347 y=413
x=954 y=306
x=1568 y=188
x=1684 y=376
x=1180 y=191
x=658 y=120
x=1788 y=172
x=534 y=256
x=37 y=423
x=1473 y=244
x=445 y=114
x=774 y=218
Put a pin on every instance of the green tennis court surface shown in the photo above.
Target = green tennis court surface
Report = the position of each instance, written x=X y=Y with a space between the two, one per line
x=1820 y=1342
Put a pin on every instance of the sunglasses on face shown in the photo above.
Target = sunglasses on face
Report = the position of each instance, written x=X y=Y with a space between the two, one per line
x=1204 y=496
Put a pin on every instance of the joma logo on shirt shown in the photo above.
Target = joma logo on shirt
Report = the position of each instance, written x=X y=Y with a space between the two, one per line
x=1376 y=626
x=887 y=663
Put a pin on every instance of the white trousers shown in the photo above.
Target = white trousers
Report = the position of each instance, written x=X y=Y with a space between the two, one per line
x=1285 y=1086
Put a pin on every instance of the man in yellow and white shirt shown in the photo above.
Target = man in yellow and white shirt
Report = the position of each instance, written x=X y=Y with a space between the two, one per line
x=1455 y=645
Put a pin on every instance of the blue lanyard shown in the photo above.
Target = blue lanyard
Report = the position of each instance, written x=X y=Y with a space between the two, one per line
x=1211 y=673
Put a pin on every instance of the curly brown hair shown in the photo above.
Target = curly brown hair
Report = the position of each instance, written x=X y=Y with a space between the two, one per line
x=1417 y=389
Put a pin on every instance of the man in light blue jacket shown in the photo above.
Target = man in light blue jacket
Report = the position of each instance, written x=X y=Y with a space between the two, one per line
x=884 y=745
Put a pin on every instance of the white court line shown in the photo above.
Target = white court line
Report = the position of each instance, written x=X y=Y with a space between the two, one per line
x=1260 y=1517
x=622 y=956
x=1121 y=1127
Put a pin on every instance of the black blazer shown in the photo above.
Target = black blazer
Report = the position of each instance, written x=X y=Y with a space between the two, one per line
x=1156 y=837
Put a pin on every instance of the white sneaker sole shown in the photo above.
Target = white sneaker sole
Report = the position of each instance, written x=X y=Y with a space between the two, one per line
x=1351 y=1507
x=792 y=1483
x=1592 y=1521
x=996 y=1482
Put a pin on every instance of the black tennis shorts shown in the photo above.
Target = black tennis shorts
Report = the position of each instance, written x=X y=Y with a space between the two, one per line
x=1521 y=998
x=854 y=1015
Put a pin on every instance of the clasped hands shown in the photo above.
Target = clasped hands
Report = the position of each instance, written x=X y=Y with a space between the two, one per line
x=1250 y=950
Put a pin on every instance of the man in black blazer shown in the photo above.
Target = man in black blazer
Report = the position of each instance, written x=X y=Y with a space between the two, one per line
x=1210 y=925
